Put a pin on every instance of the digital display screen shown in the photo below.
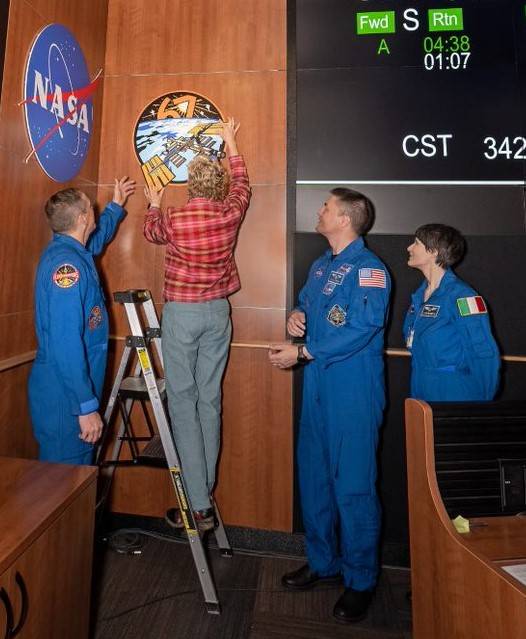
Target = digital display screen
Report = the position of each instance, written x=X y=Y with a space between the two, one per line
x=420 y=105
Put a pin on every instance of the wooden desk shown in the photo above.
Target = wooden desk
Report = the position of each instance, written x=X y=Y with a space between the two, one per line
x=459 y=590
x=46 y=540
x=497 y=538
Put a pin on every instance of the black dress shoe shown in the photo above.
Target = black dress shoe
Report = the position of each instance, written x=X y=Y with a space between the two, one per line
x=305 y=578
x=352 y=605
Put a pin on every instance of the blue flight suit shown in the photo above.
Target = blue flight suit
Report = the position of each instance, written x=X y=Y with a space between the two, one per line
x=345 y=300
x=72 y=330
x=454 y=355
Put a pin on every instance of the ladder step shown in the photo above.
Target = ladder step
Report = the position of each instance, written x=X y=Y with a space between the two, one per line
x=133 y=296
x=153 y=454
x=135 y=388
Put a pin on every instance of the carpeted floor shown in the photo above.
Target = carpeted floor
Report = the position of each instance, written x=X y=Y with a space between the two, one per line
x=156 y=594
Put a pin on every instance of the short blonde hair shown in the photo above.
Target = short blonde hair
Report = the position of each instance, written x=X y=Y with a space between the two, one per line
x=207 y=178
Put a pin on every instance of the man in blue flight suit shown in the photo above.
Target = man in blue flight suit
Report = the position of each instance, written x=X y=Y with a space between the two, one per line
x=454 y=356
x=342 y=310
x=71 y=321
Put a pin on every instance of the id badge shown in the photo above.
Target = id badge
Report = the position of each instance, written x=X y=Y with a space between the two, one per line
x=409 y=340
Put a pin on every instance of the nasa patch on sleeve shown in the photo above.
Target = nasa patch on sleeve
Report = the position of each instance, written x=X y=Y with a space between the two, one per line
x=95 y=318
x=66 y=276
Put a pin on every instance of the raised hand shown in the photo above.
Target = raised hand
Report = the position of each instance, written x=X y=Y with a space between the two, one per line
x=122 y=190
x=229 y=131
x=153 y=196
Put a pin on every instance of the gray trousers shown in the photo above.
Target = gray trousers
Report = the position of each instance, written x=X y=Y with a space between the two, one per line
x=195 y=343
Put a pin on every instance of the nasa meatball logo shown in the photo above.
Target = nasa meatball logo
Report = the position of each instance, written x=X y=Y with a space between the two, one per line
x=58 y=103
x=171 y=131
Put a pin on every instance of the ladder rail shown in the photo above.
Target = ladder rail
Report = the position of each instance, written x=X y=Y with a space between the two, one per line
x=174 y=466
x=153 y=322
x=111 y=401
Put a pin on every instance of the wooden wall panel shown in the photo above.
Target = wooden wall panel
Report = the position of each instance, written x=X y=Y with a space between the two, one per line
x=258 y=325
x=261 y=251
x=25 y=188
x=234 y=53
x=142 y=491
x=256 y=472
x=262 y=133
x=16 y=439
x=17 y=335
x=240 y=65
x=195 y=35
x=255 y=476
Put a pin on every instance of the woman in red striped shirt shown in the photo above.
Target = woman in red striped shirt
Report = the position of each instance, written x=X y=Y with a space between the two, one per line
x=200 y=274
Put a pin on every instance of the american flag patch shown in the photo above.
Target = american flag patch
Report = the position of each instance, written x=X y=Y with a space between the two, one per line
x=372 y=277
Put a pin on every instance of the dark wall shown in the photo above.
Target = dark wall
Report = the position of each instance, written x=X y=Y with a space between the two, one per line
x=407 y=115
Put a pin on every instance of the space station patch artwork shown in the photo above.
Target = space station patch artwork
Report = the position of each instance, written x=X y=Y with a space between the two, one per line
x=171 y=131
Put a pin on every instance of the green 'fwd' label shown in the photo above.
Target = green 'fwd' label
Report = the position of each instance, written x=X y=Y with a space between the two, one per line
x=375 y=22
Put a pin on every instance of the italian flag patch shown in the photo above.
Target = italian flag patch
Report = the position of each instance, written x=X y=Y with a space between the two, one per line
x=471 y=305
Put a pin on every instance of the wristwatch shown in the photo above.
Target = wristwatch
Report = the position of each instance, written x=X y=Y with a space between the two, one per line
x=302 y=358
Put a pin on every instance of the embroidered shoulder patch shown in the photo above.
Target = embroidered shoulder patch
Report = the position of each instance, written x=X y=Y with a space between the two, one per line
x=471 y=306
x=429 y=310
x=95 y=318
x=66 y=276
x=328 y=288
x=336 y=278
x=372 y=277
x=337 y=316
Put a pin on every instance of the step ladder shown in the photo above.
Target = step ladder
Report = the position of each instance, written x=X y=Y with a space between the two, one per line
x=144 y=386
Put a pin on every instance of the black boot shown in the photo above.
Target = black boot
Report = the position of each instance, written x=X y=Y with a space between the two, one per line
x=352 y=605
x=305 y=578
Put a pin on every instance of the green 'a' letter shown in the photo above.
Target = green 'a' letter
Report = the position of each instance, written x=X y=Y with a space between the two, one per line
x=383 y=48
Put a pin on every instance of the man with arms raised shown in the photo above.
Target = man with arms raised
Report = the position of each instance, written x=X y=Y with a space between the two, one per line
x=72 y=326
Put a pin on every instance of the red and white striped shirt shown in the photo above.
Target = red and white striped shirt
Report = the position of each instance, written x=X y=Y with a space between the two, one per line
x=200 y=239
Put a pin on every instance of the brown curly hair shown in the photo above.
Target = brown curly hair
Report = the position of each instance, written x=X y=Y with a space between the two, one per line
x=207 y=178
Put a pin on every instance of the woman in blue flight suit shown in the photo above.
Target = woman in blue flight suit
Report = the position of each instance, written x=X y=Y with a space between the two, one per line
x=447 y=328
x=71 y=324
